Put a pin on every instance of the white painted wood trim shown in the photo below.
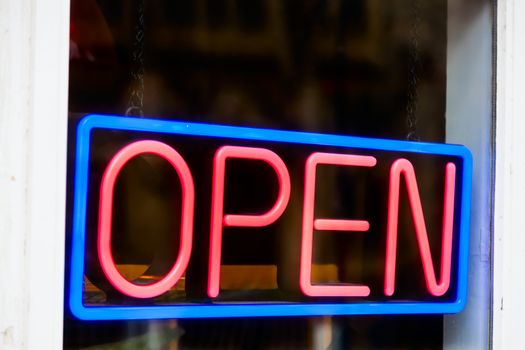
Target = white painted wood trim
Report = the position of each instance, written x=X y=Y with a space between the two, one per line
x=509 y=230
x=34 y=55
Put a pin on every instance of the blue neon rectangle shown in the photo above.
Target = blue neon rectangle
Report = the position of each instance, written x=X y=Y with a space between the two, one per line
x=90 y=122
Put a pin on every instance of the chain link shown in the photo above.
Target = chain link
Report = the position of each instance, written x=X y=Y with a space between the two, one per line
x=414 y=63
x=136 y=97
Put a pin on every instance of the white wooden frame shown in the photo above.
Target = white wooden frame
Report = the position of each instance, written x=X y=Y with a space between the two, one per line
x=509 y=231
x=34 y=56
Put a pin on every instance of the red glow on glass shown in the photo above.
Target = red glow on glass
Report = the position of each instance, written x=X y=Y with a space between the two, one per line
x=403 y=166
x=105 y=219
x=309 y=224
x=219 y=220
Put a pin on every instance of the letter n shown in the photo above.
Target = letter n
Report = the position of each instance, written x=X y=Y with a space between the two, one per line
x=403 y=166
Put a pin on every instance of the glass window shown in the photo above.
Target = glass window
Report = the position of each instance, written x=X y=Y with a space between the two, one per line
x=362 y=68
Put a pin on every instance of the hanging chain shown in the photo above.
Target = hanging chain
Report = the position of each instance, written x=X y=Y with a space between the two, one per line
x=136 y=97
x=414 y=63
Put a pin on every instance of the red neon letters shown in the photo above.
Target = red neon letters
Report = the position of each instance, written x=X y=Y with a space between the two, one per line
x=403 y=166
x=105 y=218
x=309 y=224
x=219 y=219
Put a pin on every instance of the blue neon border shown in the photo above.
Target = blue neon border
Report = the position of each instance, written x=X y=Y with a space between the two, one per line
x=90 y=122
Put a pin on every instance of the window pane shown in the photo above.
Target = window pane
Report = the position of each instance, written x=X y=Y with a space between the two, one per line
x=362 y=68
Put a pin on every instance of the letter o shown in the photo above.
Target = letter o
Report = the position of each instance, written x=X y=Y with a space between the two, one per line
x=106 y=211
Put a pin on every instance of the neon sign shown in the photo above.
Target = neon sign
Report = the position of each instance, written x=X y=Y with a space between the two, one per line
x=393 y=165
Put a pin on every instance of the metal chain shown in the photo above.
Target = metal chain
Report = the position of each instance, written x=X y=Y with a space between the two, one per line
x=136 y=97
x=413 y=72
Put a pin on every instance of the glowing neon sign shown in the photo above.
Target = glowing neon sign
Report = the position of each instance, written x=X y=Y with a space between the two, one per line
x=445 y=290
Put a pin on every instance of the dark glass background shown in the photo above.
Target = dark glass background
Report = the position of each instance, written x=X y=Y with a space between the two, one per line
x=364 y=68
